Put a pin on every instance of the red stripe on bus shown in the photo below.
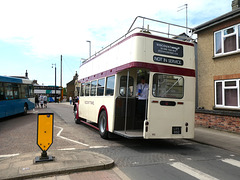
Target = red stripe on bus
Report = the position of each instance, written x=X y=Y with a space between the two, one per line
x=164 y=39
x=152 y=67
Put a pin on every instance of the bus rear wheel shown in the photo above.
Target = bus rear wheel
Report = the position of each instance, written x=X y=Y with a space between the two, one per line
x=102 y=124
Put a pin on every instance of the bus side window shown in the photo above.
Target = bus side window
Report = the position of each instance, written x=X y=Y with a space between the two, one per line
x=8 y=91
x=30 y=87
x=93 y=88
x=2 y=96
x=110 y=86
x=87 y=88
x=100 y=87
x=16 y=91
x=24 y=91
x=82 y=89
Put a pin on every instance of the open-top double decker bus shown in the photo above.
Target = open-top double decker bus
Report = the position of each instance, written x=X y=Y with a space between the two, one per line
x=109 y=93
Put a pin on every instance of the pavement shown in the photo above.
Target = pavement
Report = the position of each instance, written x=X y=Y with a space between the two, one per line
x=65 y=162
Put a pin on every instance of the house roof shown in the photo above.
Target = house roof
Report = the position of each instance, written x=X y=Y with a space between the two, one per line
x=218 y=20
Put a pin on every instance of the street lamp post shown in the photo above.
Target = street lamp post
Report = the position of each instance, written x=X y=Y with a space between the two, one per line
x=55 y=99
x=89 y=48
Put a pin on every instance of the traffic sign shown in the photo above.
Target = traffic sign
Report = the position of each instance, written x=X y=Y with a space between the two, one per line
x=45 y=130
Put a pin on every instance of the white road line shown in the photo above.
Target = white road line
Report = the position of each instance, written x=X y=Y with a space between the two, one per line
x=67 y=149
x=232 y=162
x=191 y=171
x=98 y=147
x=8 y=155
x=77 y=142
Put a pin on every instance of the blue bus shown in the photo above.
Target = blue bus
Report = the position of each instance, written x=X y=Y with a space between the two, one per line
x=16 y=96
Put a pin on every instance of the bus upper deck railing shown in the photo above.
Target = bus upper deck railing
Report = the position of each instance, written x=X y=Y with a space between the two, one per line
x=147 y=30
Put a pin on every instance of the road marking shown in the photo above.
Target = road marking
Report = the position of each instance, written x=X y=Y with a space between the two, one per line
x=191 y=171
x=98 y=147
x=67 y=149
x=232 y=162
x=8 y=155
x=77 y=142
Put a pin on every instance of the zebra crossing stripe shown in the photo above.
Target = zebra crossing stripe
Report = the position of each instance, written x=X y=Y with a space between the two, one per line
x=191 y=171
x=232 y=162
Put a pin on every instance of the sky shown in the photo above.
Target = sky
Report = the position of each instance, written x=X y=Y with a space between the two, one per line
x=35 y=33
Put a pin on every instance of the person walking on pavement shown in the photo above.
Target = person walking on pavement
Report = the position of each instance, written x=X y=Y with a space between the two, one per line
x=41 y=100
x=45 y=101
x=70 y=100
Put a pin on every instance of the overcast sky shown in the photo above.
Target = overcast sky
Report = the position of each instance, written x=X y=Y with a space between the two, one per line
x=34 y=33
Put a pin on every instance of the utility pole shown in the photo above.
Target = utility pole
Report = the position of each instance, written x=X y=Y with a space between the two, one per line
x=55 y=81
x=185 y=6
x=61 y=73
x=61 y=81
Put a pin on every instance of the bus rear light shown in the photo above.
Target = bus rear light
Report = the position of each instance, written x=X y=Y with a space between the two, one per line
x=180 y=103
x=154 y=101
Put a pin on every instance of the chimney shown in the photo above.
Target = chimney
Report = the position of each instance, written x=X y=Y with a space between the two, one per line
x=26 y=75
x=235 y=4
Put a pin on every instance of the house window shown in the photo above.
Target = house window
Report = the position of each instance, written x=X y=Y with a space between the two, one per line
x=227 y=93
x=227 y=40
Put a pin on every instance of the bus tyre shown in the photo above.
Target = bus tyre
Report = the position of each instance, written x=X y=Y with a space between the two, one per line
x=25 y=109
x=102 y=124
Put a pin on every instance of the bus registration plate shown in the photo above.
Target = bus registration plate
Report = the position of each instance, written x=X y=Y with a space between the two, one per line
x=176 y=130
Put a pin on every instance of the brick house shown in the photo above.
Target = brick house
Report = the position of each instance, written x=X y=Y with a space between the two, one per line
x=219 y=72
x=71 y=87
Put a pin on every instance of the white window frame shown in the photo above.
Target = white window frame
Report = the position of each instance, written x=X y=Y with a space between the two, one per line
x=222 y=40
x=223 y=93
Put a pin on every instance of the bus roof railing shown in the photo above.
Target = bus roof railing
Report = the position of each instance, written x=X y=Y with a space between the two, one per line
x=147 y=30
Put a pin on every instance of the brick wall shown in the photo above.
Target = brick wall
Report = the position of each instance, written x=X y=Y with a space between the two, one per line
x=228 y=122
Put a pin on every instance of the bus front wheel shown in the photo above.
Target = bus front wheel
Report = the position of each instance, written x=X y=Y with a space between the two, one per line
x=102 y=124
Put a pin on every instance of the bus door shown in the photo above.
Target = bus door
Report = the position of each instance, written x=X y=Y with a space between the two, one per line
x=165 y=117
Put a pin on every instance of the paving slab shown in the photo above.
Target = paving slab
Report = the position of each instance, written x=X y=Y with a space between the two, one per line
x=23 y=166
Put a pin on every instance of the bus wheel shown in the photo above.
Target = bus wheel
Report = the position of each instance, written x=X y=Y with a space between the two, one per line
x=76 y=119
x=25 y=109
x=102 y=124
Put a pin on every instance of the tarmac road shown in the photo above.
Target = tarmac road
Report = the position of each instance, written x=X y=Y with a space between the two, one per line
x=134 y=159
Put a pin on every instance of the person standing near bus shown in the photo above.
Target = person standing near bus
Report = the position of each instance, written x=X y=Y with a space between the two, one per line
x=142 y=94
x=36 y=102
x=45 y=101
x=41 y=100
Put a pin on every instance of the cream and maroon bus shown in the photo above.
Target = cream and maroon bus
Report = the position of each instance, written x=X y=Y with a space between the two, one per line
x=109 y=94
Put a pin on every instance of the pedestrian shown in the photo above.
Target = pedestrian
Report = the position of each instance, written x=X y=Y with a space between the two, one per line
x=70 y=100
x=142 y=94
x=45 y=101
x=36 y=101
x=41 y=101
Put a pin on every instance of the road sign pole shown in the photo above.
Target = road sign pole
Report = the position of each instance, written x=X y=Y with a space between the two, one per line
x=45 y=123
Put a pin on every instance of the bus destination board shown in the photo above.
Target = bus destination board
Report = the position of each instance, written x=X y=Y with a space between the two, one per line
x=167 y=49
x=167 y=60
